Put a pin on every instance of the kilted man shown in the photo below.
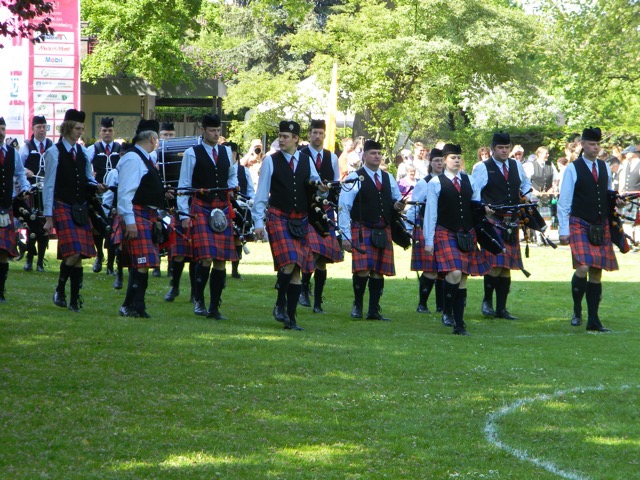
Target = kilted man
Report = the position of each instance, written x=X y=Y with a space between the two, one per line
x=104 y=156
x=325 y=249
x=502 y=181
x=32 y=156
x=140 y=194
x=583 y=215
x=114 y=240
x=450 y=241
x=11 y=170
x=208 y=167
x=420 y=262
x=283 y=185
x=67 y=174
x=365 y=219
x=167 y=130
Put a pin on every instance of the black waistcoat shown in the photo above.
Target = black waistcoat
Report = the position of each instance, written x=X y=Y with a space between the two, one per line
x=71 y=176
x=242 y=180
x=208 y=175
x=590 y=200
x=150 y=191
x=100 y=159
x=542 y=178
x=632 y=180
x=370 y=204
x=7 y=171
x=32 y=162
x=499 y=191
x=326 y=171
x=289 y=189
x=454 y=209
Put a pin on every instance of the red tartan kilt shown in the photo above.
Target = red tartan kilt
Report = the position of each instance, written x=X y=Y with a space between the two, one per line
x=448 y=256
x=584 y=253
x=141 y=252
x=181 y=241
x=284 y=248
x=378 y=260
x=205 y=243
x=510 y=259
x=420 y=261
x=72 y=239
x=8 y=237
x=327 y=247
x=116 y=230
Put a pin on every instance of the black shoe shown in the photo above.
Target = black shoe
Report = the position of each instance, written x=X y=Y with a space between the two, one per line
x=356 y=311
x=117 y=282
x=2 y=299
x=576 y=321
x=506 y=315
x=74 y=307
x=156 y=272
x=28 y=266
x=280 y=314
x=438 y=309
x=304 y=299
x=216 y=315
x=97 y=265
x=39 y=268
x=377 y=316
x=317 y=309
x=143 y=314
x=422 y=309
x=171 y=294
x=598 y=328
x=292 y=325
x=60 y=300
x=447 y=321
x=462 y=332
x=127 y=312
x=19 y=257
x=487 y=309
x=236 y=275
x=110 y=271
x=198 y=308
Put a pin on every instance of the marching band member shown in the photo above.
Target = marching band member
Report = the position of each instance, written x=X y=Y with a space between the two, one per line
x=502 y=181
x=365 y=219
x=449 y=237
x=583 y=209
x=140 y=194
x=11 y=170
x=325 y=249
x=31 y=154
x=283 y=185
x=419 y=260
x=208 y=166
x=67 y=174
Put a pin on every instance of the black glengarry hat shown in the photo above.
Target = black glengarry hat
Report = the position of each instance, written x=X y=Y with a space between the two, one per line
x=501 y=138
x=435 y=153
x=592 y=134
x=451 y=149
x=211 y=121
x=289 y=126
x=38 y=120
x=167 y=127
x=320 y=124
x=106 y=122
x=371 y=145
x=73 y=115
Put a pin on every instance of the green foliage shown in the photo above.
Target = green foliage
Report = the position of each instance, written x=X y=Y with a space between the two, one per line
x=30 y=19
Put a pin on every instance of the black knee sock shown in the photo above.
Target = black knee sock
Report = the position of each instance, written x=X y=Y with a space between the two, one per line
x=202 y=277
x=593 y=294
x=502 y=286
x=65 y=272
x=43 y=244
x=458 y=309
x=282 y=284
x=439 y=294
x=140 y=291
x=359 y=286
x=305 y=281
x=320 y=278
x=75 y=278
x=376 y=287
x=489 y=286
x=192 y=277
x=4 y=273
x=176 y=273
x=132 y=285
x=98 y=240
x=217 y=282
x=450 y=292
x=578 y=289
x=426 y=285
x=293 y=295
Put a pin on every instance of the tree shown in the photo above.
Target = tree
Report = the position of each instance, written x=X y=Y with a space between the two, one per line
x=29 y=19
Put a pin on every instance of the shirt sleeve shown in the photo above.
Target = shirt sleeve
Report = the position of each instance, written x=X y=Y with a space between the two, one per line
x=251 y=191
x=431 y=211
x=395 y=190
x=24 y=153
x=91 y=152
x=232 y=179
x=89 y=170
x=345 y=204
x=525 y=182
x=419 y=195
x=130 y=171
x=262 y=193
x=480 y=175
x=566 y=198
x=336 y=167
x=49 y=185
x=19 y=175
x=184 y=182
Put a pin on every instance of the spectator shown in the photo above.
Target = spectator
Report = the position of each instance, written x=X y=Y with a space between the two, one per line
x=407 y=183
x=517 y=152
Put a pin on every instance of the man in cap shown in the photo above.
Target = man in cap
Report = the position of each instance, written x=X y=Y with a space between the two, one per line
x=11 y=170
x=583 y=215
x=167 y=130
x=283 y=185
x=365 y=219
x=140 y=194
x=208 y=167
x=67 y=174
x=325 y=249
x=32 y=156
x=502 y=181
x=104 y=156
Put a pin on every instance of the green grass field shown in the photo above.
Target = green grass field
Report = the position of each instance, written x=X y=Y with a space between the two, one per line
x=94 y=395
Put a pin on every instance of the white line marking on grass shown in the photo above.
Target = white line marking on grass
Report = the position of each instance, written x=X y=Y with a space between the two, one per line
x=491 y=431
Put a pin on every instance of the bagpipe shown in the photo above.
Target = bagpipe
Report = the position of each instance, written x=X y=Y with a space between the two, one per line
x=99 y=219
x=318 y=205
x=243 y=221
x=616 y=221
x=32 y=218
x=399 y=233
x=325 y=220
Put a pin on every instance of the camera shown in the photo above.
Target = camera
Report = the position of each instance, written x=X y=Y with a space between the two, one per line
x=258 y=150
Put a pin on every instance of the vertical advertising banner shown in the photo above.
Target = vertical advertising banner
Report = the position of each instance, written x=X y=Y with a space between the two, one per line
x=42 y=78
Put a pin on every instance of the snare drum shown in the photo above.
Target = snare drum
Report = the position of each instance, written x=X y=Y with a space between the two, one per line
x=170 y=153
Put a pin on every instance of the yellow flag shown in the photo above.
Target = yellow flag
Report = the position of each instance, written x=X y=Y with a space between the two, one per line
x=332 y=111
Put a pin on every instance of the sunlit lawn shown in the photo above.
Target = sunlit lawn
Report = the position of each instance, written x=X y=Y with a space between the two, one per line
x=94 y=395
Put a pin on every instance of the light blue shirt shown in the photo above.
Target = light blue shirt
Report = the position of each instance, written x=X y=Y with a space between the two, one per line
x=131 y=169
x=481 y=176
